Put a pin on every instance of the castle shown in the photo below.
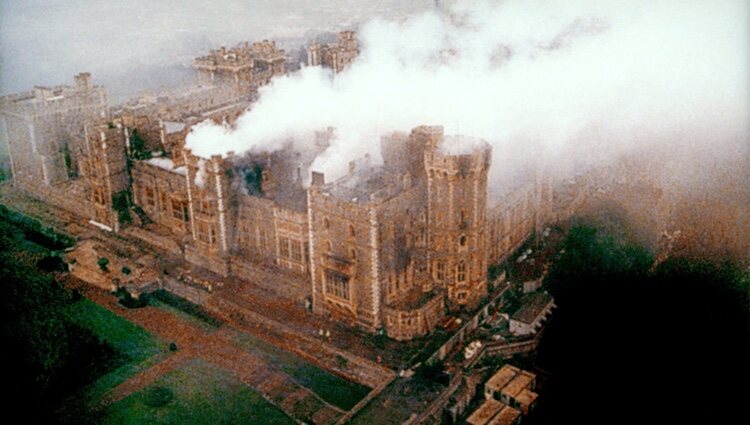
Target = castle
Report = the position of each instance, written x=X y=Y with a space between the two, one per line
x=334 y=56
x=390 y=247
x=245 y=66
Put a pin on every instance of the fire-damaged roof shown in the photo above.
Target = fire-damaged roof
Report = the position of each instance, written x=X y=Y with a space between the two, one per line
x=360 y=186
x=366 y=183
x=276 y=176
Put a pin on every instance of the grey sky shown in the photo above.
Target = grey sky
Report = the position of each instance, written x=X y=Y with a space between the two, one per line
x=130 y=45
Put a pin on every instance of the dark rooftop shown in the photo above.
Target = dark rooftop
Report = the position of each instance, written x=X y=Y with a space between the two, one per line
x=531 y=306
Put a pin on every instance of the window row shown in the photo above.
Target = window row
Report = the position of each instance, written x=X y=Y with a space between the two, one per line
x=179 y=208
x=352 y=252
x=439 y=271
x=327 y=225
x=290 y=249
x=337 y=284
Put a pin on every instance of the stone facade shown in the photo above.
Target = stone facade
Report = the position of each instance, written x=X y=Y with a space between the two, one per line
x=159 y=188
x=385 y=247
x=104 y=169
x=517 y=214
x=45 y=127
x=162 y=122
x=245 y=66
x=334 y=56
x=391 y=246
x=457 y=216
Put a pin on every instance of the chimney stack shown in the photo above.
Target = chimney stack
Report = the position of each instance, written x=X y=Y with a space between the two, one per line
x=318 y=179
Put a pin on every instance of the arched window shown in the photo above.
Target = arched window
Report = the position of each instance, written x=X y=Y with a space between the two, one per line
x=326 y=223
x=329 y=247
x=462 y=240
x=352 y=233
x=461 y=272
x=353 y=254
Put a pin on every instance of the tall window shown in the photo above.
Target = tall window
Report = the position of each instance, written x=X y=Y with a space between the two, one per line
x=337 y=284
x=180 y=210
x=461 y=272
x=284 y=248
x=149 y=198
x=202 y=231
x=296 y=250
x=440 y=270
x=351 y=231
x=206 y=232
x=263 y=239
x=462 y=241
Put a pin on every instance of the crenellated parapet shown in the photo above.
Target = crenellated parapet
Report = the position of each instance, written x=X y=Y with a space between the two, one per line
x=246 y=65
x=44 y=124
x=334 y=56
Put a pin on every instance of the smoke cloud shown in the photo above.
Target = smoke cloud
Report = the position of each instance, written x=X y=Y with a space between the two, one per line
x=572 y=82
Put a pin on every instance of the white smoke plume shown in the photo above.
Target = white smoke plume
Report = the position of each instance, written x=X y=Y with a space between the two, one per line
x=574 y=80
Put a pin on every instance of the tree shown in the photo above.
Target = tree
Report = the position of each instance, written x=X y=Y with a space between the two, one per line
x=618 y=311
x=138 y=146
x=121 y=205
x=52 y=263
x=432 y=374
x=103 y=262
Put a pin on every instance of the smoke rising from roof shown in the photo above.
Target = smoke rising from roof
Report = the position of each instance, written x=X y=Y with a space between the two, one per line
x=534 y=78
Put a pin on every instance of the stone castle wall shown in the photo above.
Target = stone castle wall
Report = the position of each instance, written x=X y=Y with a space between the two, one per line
x=396 y=256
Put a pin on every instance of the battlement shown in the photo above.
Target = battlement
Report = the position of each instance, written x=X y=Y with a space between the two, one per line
x=335 y=56
x=458 y=156
x=267 y=50
x=43 y=100
x=245 y=65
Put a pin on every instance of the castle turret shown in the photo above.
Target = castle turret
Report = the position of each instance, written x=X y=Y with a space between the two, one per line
x=209 y=199
x=456 y=169
x=105 y=172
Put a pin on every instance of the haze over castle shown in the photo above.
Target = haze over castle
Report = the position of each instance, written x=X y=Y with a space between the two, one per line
x=365 y=215
x=388 y=246
x=401 y=229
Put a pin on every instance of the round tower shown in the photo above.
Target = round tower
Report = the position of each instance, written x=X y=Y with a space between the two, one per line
x=456 y=169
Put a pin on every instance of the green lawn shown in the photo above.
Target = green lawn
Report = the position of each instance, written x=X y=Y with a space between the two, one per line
x=125 y=336
x=331 y=388
x=202 y=394
x=141 y=349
